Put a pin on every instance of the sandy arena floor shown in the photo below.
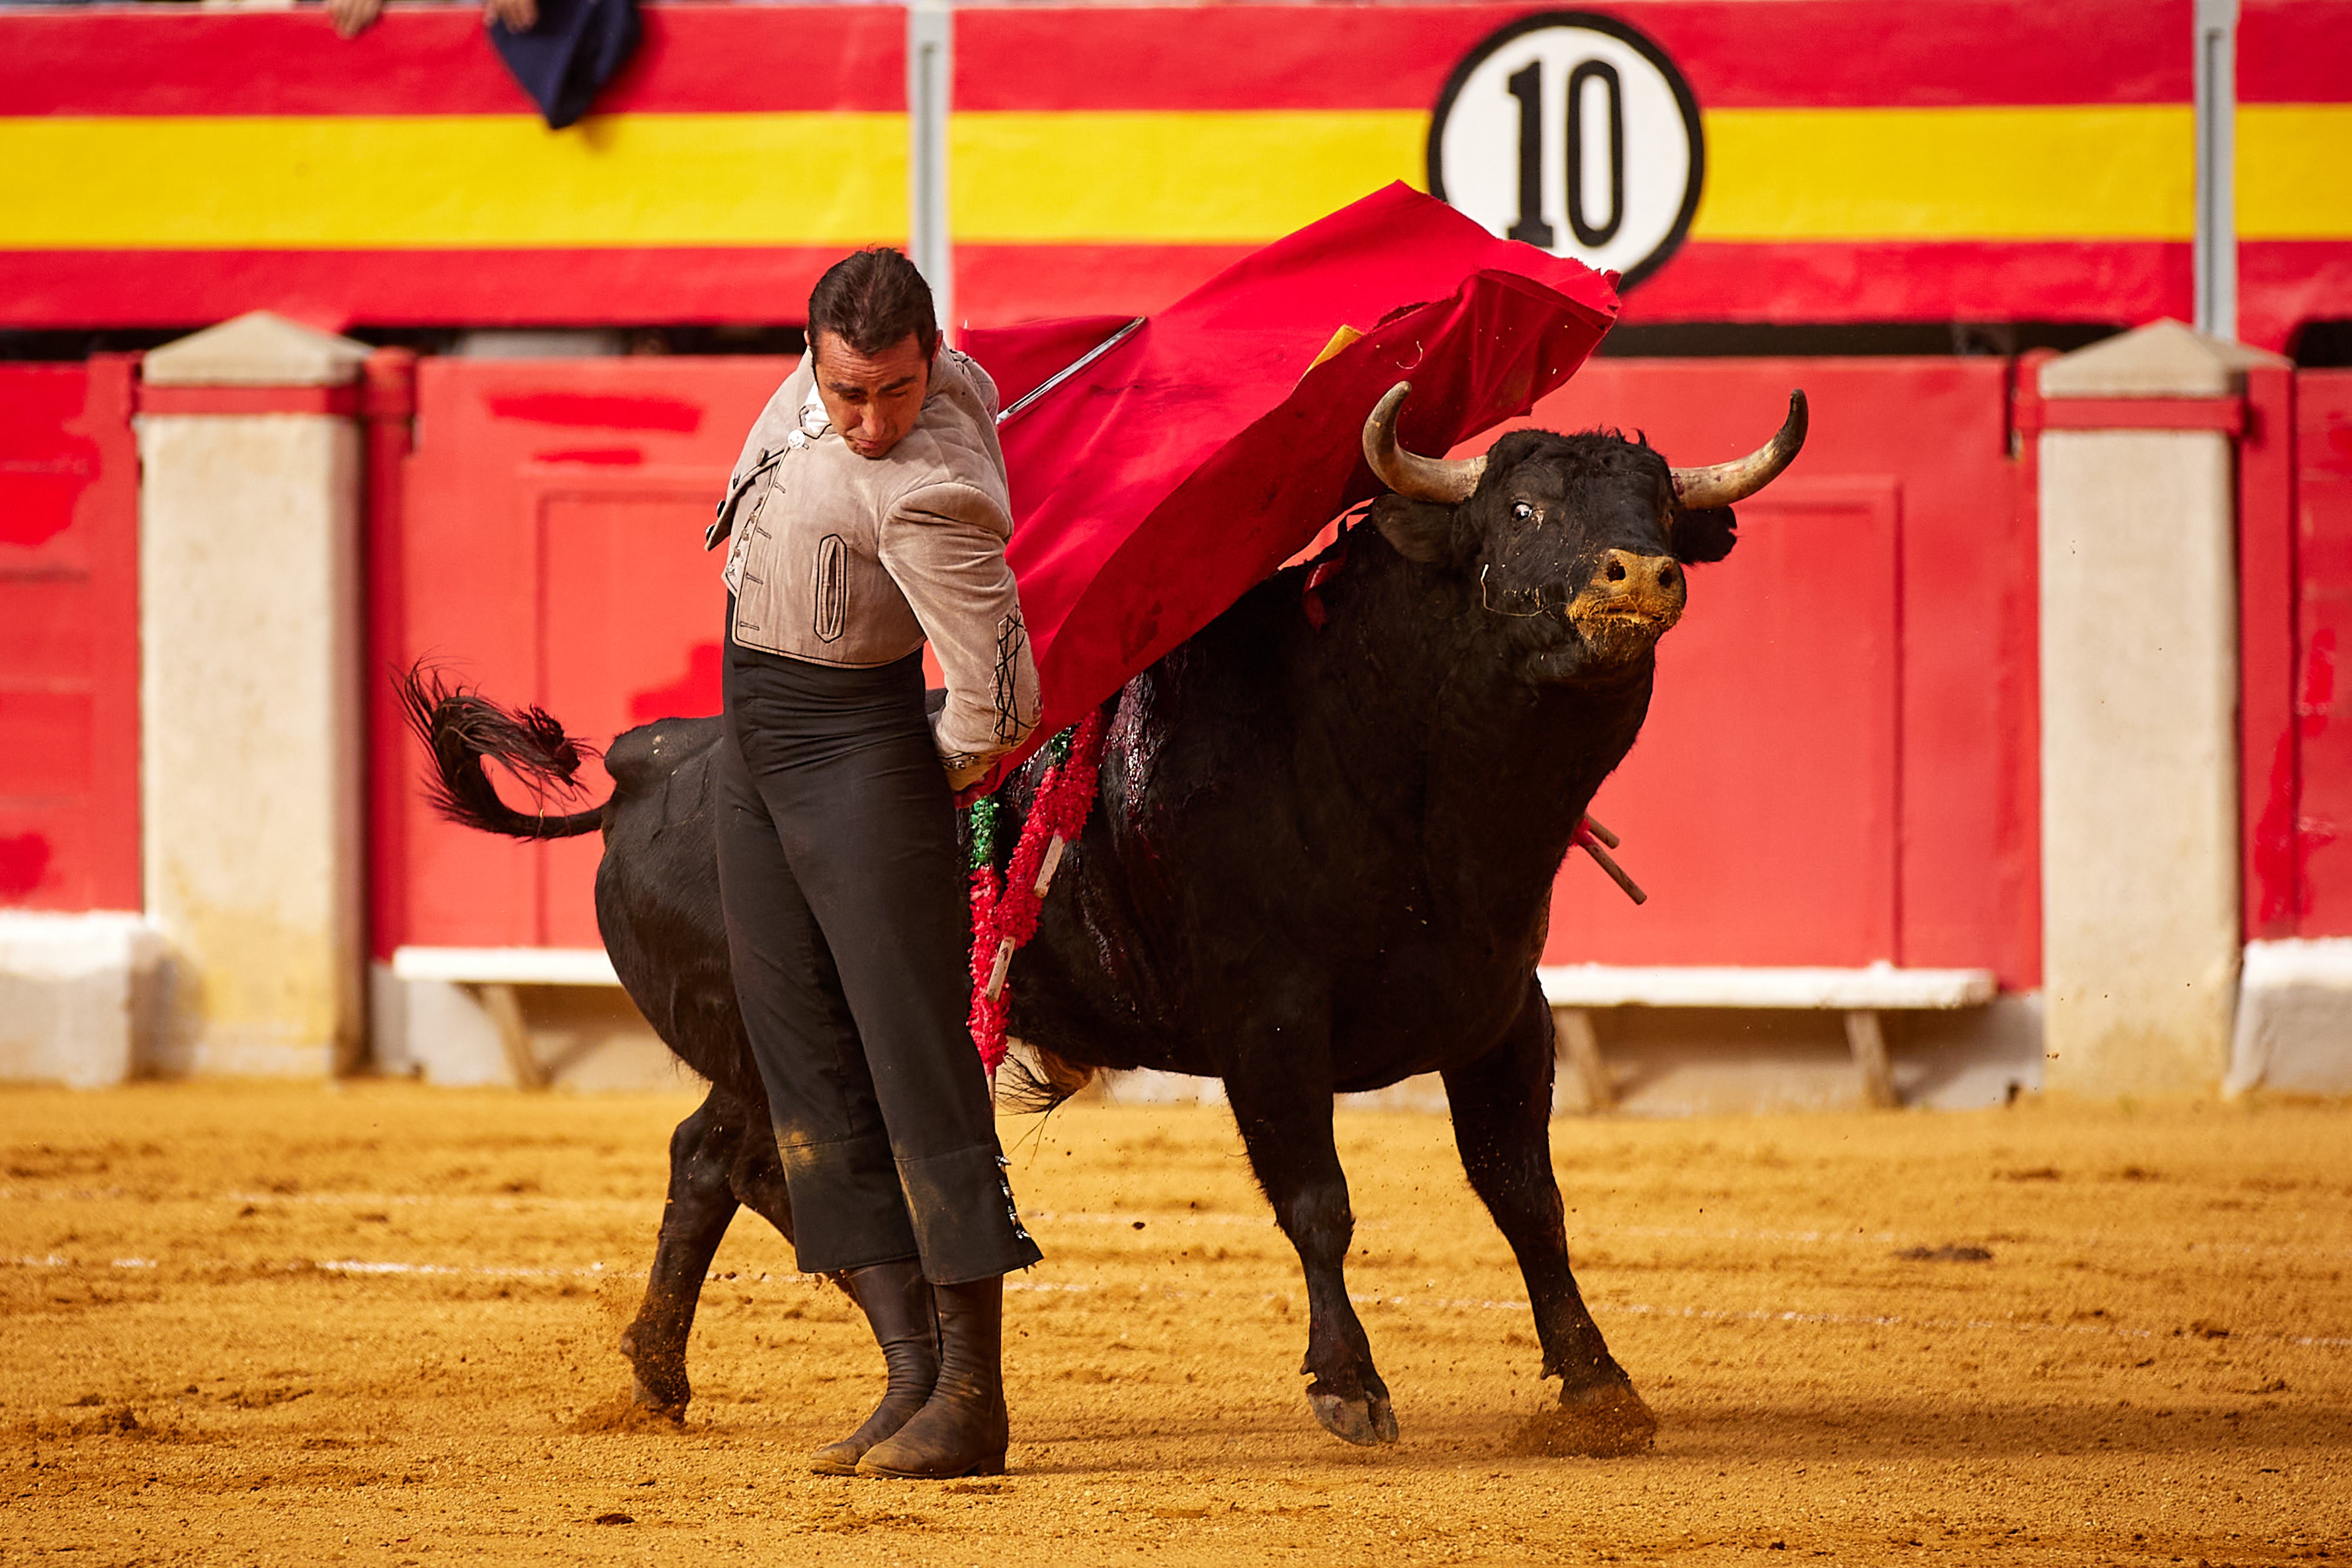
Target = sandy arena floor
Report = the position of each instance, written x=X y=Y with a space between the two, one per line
x=375 y=1325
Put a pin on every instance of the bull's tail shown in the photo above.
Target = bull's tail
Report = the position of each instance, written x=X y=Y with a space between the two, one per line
x=1032 y=1079
x=461 y=727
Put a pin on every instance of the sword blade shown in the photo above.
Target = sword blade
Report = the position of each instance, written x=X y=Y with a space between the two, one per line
x=1022 y=404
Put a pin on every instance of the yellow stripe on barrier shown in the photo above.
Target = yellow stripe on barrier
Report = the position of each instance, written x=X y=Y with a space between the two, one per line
x=1773 y=176
x=1786 y=174
x=2295 y=170
x=1238 y=177
x=451 y=180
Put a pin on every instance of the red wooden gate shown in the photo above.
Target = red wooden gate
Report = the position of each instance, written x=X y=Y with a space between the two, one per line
x=1838 y=768
x=2300 y=882
x=69 y=636
x=548 y=549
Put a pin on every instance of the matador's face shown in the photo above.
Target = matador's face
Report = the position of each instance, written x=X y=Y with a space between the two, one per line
x=873 y=400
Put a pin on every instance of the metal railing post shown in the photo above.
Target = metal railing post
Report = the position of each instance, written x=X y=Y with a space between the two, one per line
x=2215 y=243
x=930 y=72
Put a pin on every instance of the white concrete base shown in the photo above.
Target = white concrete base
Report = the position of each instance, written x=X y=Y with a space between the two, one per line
x=1720 y=1060
x=1864 y=998
x=507 y=965
x=1662 y=1061
x=1679 y=1061
x=452 y=1040
x=1880 y=987
x=77 y=996
x=2294 y=1018
x=529 y=1034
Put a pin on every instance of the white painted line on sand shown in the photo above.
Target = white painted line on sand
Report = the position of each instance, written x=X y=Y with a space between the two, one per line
x=597 y=1270
x=1597 y=1235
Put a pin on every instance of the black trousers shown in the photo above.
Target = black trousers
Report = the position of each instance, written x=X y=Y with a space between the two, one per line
x=849 y=930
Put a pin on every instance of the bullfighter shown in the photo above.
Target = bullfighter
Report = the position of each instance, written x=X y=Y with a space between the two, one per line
x=870 y=513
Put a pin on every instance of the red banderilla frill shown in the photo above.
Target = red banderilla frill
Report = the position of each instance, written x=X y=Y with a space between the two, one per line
x=1004 y=909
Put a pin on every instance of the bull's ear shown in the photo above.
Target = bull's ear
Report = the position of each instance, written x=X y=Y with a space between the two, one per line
x=1702 y=535
x=1418 y=530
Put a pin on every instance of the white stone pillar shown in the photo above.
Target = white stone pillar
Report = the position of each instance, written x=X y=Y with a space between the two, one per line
x=250 y=711
x=2140 y=701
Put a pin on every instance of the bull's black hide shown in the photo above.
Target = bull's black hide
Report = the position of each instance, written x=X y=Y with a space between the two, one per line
x=1321 y=861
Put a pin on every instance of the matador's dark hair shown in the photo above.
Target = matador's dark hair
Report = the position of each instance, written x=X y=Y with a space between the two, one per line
x=872 y=299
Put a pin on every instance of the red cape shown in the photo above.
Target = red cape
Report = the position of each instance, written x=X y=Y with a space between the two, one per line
x=1157 y=487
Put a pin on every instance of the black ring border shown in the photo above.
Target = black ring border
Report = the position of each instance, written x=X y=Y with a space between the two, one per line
x=1634 y=38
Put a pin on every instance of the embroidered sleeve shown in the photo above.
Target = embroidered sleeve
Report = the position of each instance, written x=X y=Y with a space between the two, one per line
x=944 y=547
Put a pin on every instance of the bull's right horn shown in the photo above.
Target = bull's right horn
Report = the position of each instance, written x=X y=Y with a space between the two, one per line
x=1723 y=484
x=1409 y=474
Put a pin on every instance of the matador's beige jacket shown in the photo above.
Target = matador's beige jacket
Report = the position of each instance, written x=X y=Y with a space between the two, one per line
x=843 y=560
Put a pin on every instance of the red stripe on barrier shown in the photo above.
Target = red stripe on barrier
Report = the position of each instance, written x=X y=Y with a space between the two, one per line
x=341 y=289
x=1737 y=54
x=2294 y=51
x=2285 y=283
x=716 y=58
x=435 y=61
x=342 y=400
x=1004 y=285
x=2118 y=281
x=2121 y=282
x=2282 y=284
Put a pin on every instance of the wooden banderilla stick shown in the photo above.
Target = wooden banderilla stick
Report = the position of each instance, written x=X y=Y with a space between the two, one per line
x=1589 y=836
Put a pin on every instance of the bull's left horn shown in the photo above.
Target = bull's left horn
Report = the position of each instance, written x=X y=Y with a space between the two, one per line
x=1697 y=489
x=1409 y=474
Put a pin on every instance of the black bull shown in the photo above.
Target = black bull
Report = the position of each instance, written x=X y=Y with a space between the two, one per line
x=1320 y=861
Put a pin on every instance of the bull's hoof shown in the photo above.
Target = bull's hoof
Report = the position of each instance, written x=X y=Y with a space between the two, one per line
x=619 y=1416
x=1367 y=1419
x=658 y=1384
x=653 y=1406
x=1605 y=1421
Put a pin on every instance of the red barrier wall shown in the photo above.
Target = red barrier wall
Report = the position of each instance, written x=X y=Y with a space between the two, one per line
x=2295 y=566
x=2317 y=834
x=69 y=637
x=2269 y=748
x=1838 y=767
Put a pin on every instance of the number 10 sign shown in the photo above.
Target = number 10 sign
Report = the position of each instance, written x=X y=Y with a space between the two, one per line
x=1576 y=133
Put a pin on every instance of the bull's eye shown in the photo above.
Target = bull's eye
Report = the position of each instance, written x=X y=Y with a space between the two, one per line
x=1522 y=512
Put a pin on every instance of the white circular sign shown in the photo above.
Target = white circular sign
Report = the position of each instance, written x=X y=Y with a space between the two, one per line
x=1575 y=133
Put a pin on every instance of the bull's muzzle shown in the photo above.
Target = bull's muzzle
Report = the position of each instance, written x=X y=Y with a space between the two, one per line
x=1630 y=602
x=1625 y=586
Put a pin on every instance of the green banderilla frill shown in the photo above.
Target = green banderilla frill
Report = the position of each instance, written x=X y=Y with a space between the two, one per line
x=985 y=814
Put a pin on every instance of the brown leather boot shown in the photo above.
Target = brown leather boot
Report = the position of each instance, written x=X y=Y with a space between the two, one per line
x=963 y=1430
x=896 y=1301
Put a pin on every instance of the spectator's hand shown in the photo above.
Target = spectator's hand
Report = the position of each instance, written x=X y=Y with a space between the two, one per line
x=352 y=17
x=520 y=16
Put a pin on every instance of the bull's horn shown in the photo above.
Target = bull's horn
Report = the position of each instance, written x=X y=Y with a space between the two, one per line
x=1697 y=489
x=1409 y=474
